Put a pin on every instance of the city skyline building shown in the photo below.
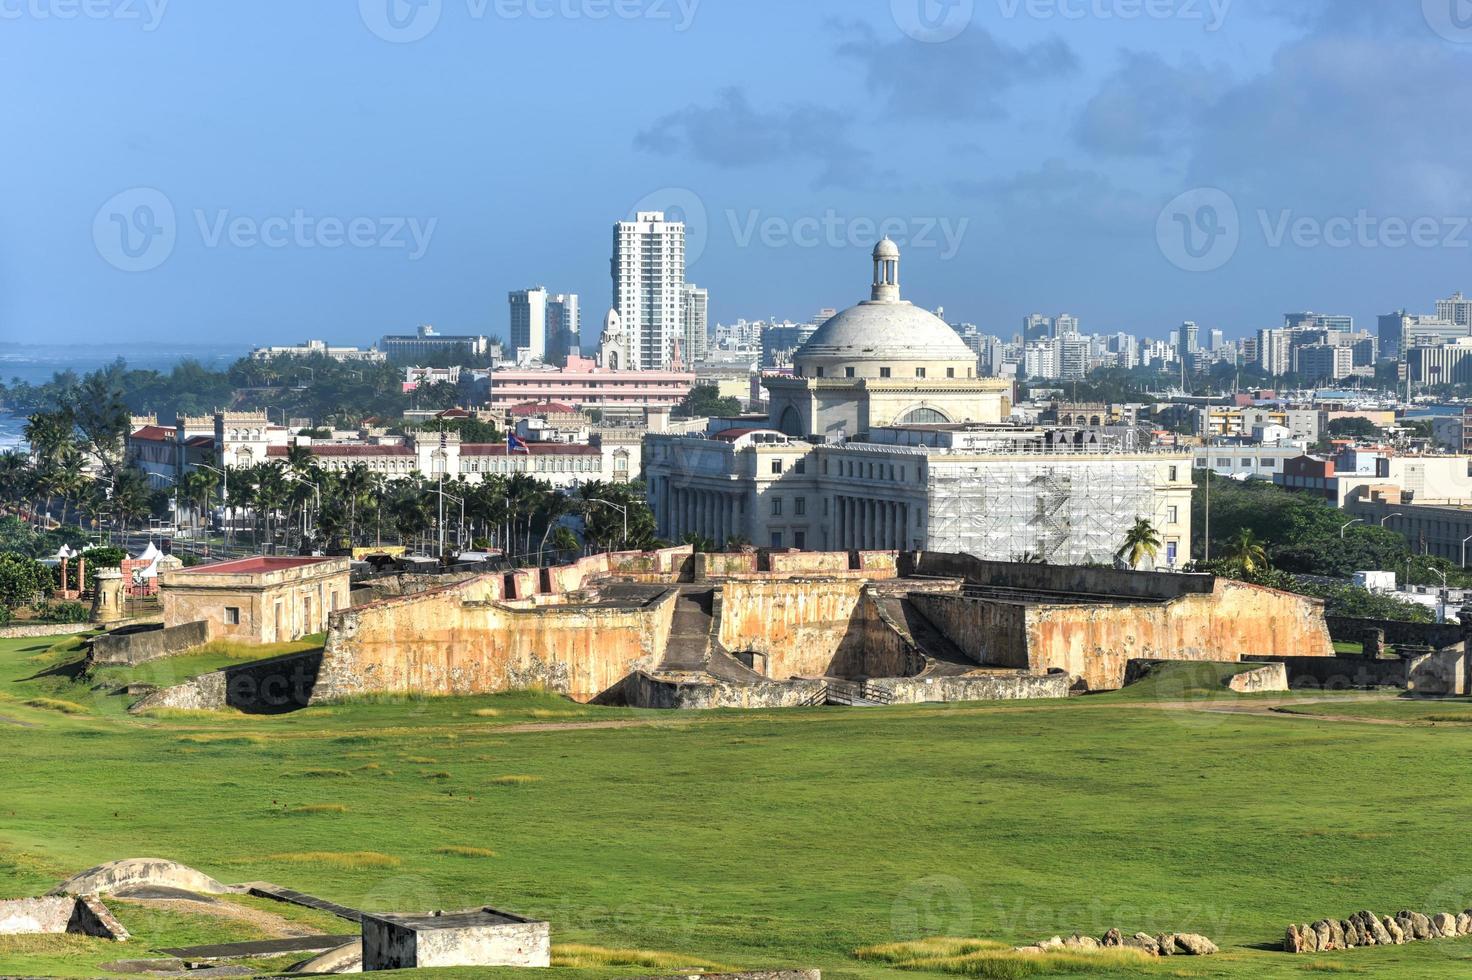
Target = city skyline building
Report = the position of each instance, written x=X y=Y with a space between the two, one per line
x=648 y=269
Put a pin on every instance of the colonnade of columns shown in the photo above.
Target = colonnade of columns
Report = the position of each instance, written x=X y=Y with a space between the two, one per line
x=712 y=514
x=867 y=524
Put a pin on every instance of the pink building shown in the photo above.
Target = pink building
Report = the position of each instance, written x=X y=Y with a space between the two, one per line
x=583 y=384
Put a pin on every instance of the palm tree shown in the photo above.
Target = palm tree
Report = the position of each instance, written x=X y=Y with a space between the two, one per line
x=353 y=484
x=131 y=497
x=1247 y=553
x=1140 y=542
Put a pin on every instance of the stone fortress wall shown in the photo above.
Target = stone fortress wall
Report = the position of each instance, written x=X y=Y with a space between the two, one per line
x=778 y=629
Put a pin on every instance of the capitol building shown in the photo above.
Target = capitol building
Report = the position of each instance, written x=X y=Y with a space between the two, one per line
x=885 y=438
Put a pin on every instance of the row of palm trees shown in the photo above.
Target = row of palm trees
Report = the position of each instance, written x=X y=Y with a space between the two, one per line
x=293 y=502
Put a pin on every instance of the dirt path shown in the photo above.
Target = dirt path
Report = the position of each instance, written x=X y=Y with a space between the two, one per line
x=4 y=720
x=269 y=924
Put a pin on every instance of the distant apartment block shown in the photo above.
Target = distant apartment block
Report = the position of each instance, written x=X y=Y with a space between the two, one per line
x=320 y=347
x=695 y=324
x=1456 y=309
x=426 y=344
x=544 y=327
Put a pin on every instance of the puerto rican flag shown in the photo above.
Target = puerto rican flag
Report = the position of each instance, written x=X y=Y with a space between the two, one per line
x=514 y=444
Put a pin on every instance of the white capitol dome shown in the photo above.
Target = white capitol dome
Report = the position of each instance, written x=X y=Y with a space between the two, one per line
x=884 y=328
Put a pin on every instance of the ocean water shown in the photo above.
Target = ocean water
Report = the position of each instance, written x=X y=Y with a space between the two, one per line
x=37 y=363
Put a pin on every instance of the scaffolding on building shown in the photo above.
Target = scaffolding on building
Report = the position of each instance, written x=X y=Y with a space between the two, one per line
x=1058 y=510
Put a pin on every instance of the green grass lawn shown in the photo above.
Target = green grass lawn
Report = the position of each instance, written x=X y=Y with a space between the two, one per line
x=758 y=839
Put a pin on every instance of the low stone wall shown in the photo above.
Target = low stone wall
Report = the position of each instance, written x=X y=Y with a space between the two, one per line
x=1345 y=629
x=1068 y=579
x=1270 y=679
x=643 y=690
x=35 y=916
x=125 y=648
x=807 y=563
x=262 y=687
x=44 y=629
x=56 y=914
x=1020 y=686
x=1341 y=673
x=715 y=567
x=1368 y=929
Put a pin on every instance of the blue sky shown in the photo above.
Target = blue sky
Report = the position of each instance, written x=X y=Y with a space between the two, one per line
x=1134 y=162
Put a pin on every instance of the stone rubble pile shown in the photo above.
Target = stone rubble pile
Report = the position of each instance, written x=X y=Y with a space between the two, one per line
x=1369 y=929
x=1166 y=944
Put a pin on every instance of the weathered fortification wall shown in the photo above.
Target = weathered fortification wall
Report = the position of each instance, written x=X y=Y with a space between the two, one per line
x=886 y=651
x=461 y=640
x=800 y=627
x=991 y=633
x=131 y=647
x=1345 y=629
x=1002 y=686
x=644 y=691
x=1234 y=622
x=1074 y=579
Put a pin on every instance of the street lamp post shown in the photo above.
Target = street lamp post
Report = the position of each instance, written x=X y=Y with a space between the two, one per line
x=224 y=492
x=1357 y=520
x=317 y=492
x=1388 y=517
x=1464 y=549
x=460 y=530
x=618 y=507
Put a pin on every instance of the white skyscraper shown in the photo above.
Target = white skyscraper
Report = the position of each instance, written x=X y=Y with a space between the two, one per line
x=648 y=287
x=529 y=322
